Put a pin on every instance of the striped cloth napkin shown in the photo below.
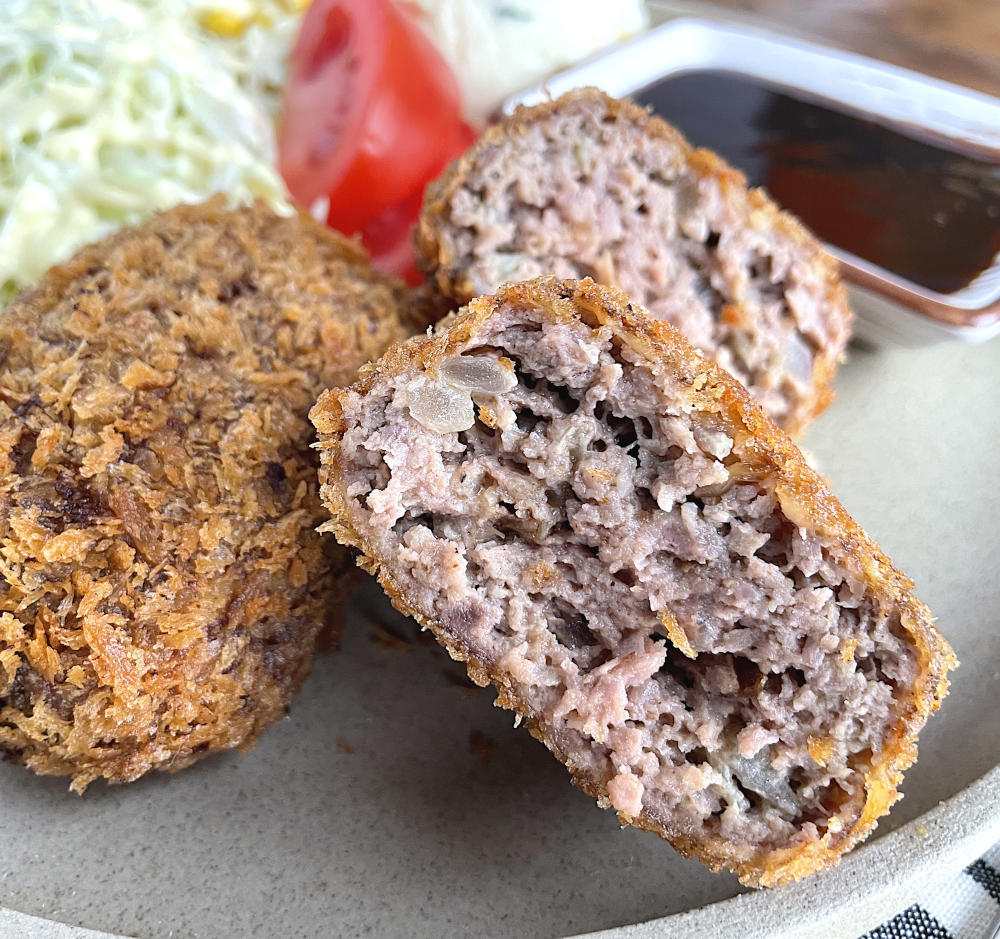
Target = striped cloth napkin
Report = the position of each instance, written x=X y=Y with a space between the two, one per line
x=966 y=908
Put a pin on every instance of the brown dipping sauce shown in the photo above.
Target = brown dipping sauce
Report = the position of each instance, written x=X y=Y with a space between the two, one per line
x=913 y=207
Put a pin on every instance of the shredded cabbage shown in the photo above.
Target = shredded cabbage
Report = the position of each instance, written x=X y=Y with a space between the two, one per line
x=257 y=38
x=113 y=109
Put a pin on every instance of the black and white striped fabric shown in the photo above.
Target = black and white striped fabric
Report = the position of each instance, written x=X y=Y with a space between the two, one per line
x=966 y=908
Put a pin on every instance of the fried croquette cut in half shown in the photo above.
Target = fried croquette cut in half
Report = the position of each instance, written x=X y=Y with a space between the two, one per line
x=163 y=584
x=599 y=520
x=588 y=186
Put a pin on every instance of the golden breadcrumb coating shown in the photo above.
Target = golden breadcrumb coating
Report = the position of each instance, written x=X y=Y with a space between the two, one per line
x=163 y=585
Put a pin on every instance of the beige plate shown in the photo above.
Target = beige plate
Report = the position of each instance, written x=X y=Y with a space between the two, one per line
x=397 y=800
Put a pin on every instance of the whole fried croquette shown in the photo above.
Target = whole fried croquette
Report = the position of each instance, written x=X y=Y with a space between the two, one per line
x=590 y=186
x=601 y=522
x=163 y=585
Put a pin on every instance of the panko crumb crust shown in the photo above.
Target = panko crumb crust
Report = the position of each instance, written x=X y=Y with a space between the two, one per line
x=163 y=584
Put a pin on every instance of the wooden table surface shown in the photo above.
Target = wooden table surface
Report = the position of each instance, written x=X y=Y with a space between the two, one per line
x=958 y=40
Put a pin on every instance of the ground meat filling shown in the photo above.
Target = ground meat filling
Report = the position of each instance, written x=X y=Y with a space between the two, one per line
x=707 y=663
x=590 y=193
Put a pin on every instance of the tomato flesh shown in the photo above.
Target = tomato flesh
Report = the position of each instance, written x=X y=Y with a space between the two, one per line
x=389 y=239
x=371 y=113
x=322 y=107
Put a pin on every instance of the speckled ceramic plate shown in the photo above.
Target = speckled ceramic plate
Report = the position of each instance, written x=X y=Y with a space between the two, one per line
x=397 y=801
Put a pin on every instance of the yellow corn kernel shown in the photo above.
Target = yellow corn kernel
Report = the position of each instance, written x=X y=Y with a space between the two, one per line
x=223 y=23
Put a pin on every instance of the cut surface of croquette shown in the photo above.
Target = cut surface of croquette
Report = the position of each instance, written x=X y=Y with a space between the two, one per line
x=601 y=522
x=589 y=186
x=163 y=584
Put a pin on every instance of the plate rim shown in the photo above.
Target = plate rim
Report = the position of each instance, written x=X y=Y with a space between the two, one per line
x=826 y=906
x=911 y=861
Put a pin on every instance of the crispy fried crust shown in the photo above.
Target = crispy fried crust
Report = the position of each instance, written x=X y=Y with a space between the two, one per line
x=714 y=396
x=441 y=266
x=163 y=585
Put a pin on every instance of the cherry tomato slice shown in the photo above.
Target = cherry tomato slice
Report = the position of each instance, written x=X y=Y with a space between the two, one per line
x=389 y=239
x=389 y=236
x=371 y=111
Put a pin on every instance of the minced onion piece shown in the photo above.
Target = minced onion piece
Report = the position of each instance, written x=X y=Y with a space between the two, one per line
x=440 y=408
x=478 y=374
